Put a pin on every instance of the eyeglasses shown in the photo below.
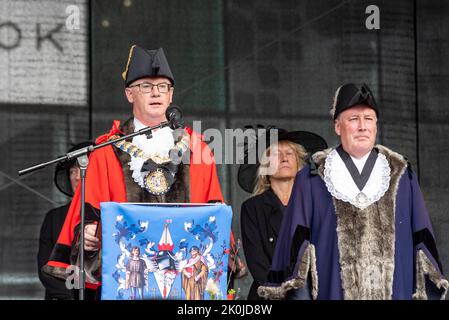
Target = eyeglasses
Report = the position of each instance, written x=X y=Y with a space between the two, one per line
x=146 y=87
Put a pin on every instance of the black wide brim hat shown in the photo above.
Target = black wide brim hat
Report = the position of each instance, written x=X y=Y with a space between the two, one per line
x=62 y=171
x=247 y=172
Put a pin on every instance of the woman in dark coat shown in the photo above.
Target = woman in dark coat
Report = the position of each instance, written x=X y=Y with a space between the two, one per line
x=271 y=184
x=66 y=178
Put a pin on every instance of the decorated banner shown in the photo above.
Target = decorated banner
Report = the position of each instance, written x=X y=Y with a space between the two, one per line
x=161 y=251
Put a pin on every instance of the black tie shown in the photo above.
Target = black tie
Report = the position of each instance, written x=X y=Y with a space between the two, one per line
x=360 y=179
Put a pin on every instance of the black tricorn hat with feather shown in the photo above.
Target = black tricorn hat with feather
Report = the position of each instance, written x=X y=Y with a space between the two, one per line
x=146 y=63
x=349 y=95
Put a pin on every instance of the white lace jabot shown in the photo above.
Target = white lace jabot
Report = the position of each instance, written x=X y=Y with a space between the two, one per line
x=160 y=144
x=341 y=185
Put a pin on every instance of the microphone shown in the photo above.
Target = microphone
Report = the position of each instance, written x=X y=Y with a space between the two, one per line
x=174 y=117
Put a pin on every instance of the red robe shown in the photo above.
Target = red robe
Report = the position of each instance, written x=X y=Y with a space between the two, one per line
x=105 y=182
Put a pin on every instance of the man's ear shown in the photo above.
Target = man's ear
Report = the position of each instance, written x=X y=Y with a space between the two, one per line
x=171 y=94
x=129 y=95
x=337 y=127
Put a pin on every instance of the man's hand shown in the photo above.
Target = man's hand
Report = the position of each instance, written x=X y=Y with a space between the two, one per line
x=91 y=242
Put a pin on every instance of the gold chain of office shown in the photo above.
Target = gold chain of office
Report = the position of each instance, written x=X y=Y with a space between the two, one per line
x=155 y=181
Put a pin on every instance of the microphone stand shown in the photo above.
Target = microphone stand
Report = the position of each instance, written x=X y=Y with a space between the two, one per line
x=83 y=161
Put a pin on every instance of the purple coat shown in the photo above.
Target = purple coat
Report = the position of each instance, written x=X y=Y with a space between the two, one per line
x=311 y=219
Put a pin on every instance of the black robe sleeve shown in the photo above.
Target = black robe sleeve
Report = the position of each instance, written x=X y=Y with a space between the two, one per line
x=54 y=288
x=258 y=263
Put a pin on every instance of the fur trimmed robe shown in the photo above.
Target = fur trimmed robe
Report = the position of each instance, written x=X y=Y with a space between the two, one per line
x=385 y=251
x=108 y=178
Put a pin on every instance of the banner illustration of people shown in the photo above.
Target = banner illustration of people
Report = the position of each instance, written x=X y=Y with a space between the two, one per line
x=191 y=254
x=136 y=273
x=194 y=275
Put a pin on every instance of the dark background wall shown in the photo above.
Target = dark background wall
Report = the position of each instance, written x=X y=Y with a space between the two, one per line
x=237 y=63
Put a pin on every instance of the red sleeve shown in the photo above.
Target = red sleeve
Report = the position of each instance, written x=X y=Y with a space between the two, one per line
x=204 y=184
x=212 y=184
x=104 y=182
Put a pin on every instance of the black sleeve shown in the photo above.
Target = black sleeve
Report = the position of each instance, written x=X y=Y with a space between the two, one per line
x=256 y=259
x=55 y=287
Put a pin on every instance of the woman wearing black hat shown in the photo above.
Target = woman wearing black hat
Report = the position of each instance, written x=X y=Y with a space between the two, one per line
x=271 y=184
x=66 y=178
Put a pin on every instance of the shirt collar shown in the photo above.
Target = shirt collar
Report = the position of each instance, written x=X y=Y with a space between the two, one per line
x=138 y=125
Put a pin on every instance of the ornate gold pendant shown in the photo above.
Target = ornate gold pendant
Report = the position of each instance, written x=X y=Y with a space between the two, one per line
x=156 y=183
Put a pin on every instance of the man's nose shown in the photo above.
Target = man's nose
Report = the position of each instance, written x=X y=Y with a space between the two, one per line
x=362 y=124
x=155 y=91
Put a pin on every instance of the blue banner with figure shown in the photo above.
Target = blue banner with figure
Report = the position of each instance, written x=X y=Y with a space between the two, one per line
x=165 y=251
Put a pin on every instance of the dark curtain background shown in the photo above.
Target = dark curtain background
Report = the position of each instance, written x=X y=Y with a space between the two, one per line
x=239 y=63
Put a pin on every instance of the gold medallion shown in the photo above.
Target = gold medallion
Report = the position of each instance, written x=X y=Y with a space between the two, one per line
x=156 y=183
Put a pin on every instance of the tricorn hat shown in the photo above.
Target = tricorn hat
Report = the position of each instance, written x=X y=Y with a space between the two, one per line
x=62 y=171
x=349 y=95
x=247 y=173
x=146 y=63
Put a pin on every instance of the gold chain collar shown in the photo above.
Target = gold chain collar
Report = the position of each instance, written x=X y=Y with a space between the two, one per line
x=156 y=181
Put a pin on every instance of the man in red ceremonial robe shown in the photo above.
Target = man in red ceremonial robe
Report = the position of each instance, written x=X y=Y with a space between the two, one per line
x=137 y=170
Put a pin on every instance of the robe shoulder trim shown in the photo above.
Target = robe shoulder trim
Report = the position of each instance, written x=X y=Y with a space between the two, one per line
x=396 y=160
